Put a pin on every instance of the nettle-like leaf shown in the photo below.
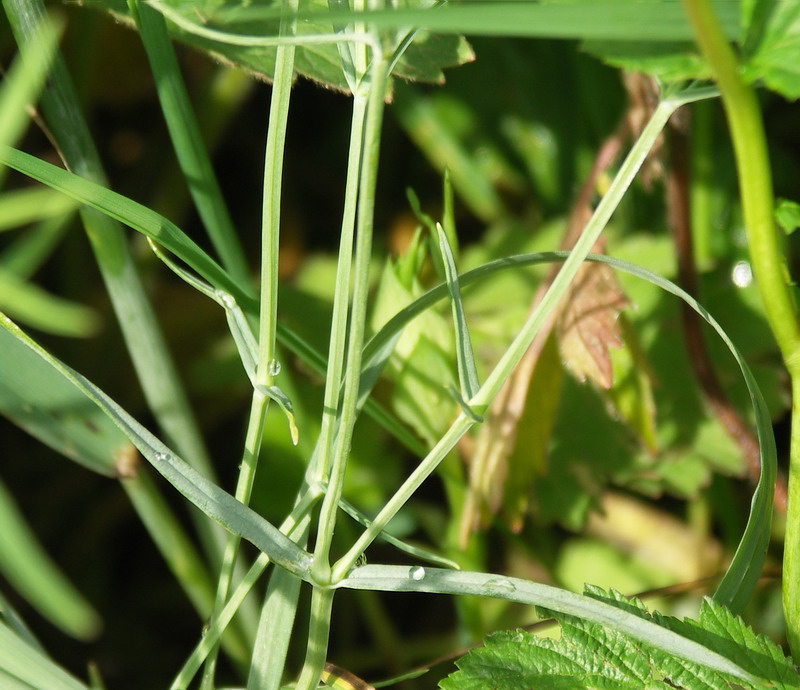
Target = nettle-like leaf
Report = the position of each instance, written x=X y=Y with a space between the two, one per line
x=590 y=655
x=423 y=60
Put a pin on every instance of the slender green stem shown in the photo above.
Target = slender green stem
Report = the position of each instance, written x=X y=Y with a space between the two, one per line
x=358 y=315
x=518 y=347
x=267 y=366
x=213 y=633
x=755 y=184
x=318 y=634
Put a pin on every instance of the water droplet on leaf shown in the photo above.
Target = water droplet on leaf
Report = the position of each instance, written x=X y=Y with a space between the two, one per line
x=274 y=367
x=417 y=573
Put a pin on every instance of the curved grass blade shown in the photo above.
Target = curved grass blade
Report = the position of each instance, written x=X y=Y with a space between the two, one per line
x=394 y=578
x=129 y=212
x=207 y=496
x=743 y=572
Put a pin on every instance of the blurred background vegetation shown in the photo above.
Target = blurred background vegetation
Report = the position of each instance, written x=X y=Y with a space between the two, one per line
x=636 y=485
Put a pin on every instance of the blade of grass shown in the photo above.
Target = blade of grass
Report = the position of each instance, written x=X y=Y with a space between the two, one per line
x=49 y=313
x=29 y=665
x=30 y=205
x=25 y=255
x=465 y=358
x=207 y=496
x=395 y=578
x=188 y=142
x=129 y=212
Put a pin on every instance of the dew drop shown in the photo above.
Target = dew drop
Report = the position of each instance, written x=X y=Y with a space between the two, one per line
x=273 y=367
x=742 y=274
x=501 y=586
x=416 y=573
x=162 y=457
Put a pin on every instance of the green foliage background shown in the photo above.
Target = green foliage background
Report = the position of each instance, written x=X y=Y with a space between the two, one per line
x=518 y=130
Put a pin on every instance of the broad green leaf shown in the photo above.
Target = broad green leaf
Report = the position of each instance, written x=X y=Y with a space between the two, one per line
x=529 y=457
x=26 y=565
x=787 y=214
x=631 y=391
x=423 y=60
x=422 y=363
x=733 y=638
x=26 y=664
x=776 y=59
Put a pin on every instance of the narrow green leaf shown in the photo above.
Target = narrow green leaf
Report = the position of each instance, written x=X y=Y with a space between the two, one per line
x=54 y=410
x=32 y=305
x=410 y=549
x=188 y=141
x=467 y=371
x=29 y=665
x=434 y=580
x=27 y=253
x=207 y=496
x=130 y=213
x=30 y=205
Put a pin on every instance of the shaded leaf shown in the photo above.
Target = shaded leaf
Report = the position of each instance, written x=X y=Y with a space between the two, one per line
x=423 y=60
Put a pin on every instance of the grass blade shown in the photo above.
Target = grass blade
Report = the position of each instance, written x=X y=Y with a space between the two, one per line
x=396 y=578
x=129 y=212
x=188 y=141
x=467 y=372
x=207 y=496
x=33 y=574
x=27 y=664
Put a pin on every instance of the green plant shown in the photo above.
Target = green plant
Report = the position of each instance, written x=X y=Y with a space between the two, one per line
x=442 y=386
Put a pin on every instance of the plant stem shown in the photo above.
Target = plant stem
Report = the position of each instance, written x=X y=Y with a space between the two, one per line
x=755 y=184
x=358 y=315
x=267 y=367
x=519 y=346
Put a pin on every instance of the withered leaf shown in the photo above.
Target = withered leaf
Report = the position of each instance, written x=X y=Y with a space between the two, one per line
x=588 y=325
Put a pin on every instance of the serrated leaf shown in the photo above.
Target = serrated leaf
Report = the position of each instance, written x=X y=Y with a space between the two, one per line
x=734 y=639
x=590 y=655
